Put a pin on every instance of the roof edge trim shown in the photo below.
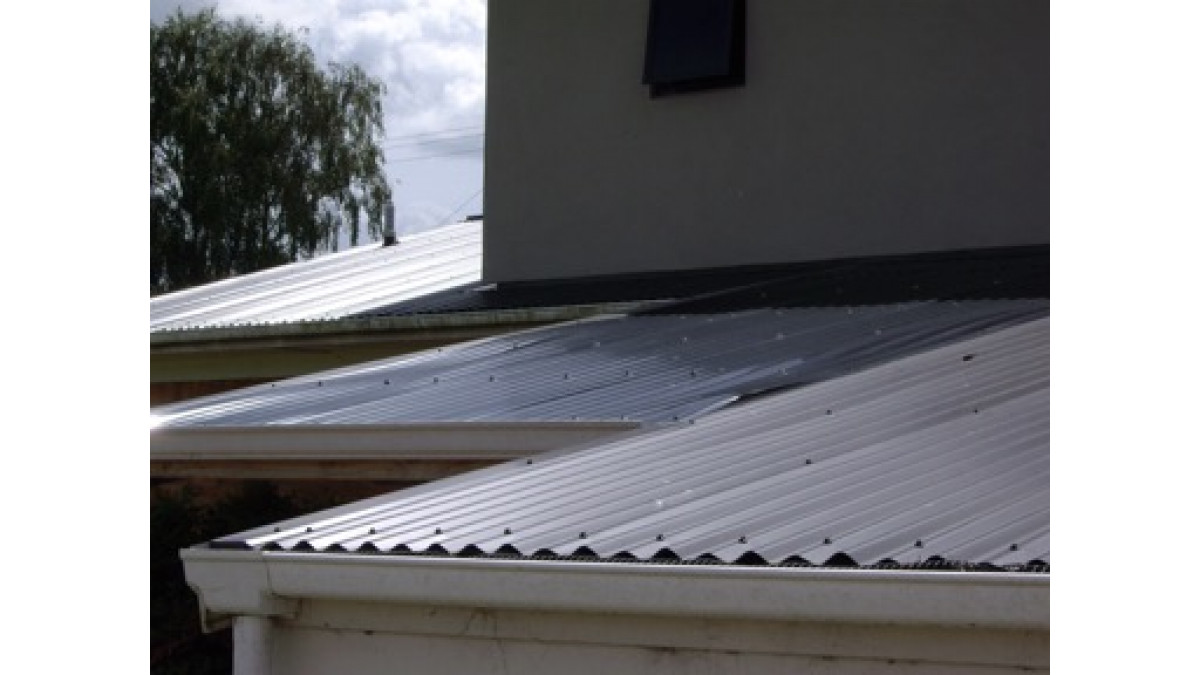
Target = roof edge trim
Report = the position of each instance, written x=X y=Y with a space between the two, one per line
x=357 y=326
x=428 y=440
x=233 y=582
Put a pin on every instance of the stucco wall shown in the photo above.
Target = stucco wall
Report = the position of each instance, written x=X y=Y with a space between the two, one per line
x=865 y=127
x=330 y=637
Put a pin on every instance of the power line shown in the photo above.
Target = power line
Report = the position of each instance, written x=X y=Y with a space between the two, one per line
x=406 y=137
x=450 y=218
x=433 y=141
x=435 y=155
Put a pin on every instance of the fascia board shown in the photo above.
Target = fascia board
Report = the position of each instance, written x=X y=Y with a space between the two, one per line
x=431 y=440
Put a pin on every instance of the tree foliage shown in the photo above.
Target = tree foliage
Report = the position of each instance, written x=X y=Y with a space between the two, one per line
x=257 y=156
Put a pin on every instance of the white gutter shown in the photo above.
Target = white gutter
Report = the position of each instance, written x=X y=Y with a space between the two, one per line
x=429 y=440
x=218 y=337
x=271 y=583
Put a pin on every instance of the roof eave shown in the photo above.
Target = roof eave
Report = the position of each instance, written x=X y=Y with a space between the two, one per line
x=200 y=338
x=427 y=440
x=234 y=583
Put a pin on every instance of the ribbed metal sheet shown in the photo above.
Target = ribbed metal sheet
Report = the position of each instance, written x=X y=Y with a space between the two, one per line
x=331 y=286
x=641 y=368
x=940 y=458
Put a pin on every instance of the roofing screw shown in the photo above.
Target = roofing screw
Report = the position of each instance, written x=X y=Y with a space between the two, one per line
x=435 y=380
x=1013 y=547
x=742 y=539
x=693 y=372
x=683 y=339
x=371 y=531
x=828 y=412
x=491 y=378
x=508 y=530
x=659 y=538
x=976 y=411
x=566 y=376
x=318 y=383
x=387 y=381
x=583 y=535
x=308 y=529
x=919 y=544
x=529 y=461
x=277 y=529
x=828 y=541
x=437 y=530
x=968 y=357
x=807 y=462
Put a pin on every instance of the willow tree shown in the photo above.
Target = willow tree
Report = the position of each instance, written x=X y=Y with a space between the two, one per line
x=257 y=155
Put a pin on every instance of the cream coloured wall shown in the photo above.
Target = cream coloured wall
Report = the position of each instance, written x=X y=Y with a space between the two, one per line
x=865 y=127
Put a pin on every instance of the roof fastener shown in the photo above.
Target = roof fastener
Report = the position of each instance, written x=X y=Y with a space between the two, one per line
x=583 y=535
x=529 y=461
x=919 y=544
x=828 y=541
x=371 y=531
x=308 y=529
x=742 y=539
x=828 y=412
x=437 y=530
x=508 y=530
x=968 y=357
x=387 y=381
x=1013 y=547
x=807 y=462
x=659 y=538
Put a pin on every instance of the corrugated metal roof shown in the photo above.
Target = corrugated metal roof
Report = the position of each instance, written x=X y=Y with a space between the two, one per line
x=940 y=458
x=331 y=286
x=639 y=368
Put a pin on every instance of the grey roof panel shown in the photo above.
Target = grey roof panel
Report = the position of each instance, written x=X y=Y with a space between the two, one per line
x=941 y=457
x=332 y=286
x=643 y=368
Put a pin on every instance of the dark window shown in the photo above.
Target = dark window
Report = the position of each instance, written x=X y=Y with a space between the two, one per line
x=695 y=44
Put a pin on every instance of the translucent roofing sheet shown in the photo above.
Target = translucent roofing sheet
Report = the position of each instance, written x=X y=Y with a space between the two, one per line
x=331 y=286
x=659 y=368
x=938 y=459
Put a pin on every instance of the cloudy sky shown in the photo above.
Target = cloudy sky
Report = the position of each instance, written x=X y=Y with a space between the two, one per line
x=430 y=54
